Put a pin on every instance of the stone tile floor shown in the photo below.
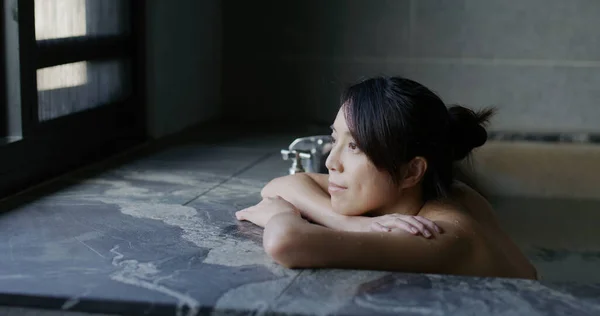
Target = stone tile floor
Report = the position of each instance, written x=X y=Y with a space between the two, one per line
x=157 y=236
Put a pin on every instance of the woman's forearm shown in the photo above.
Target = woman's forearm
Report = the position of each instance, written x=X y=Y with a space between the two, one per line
x=312 y=201
x=306 y=195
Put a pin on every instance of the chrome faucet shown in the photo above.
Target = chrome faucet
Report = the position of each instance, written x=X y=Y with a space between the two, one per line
x=308 y=154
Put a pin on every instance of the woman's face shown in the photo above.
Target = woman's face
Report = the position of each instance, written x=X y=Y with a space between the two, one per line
x=355 y=185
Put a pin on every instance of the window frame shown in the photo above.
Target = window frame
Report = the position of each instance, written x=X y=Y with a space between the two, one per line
x=3 y=94
x=83 y=137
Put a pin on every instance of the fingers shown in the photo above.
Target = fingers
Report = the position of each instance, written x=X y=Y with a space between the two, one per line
x=375 y=226
x=412 y=224
x=242 y=214
x=395 y=225
x=429 y=224
x=418 y=225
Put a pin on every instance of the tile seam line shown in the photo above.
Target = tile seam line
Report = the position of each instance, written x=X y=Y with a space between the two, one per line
x=287 y=287
x=237 y=173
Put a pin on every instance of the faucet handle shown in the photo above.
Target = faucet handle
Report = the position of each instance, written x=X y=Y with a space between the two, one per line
x=297 y=155
x=297 y=165
x=292 y=154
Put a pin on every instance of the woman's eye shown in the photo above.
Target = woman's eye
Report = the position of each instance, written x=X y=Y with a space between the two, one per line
x=332 y=140
x=353 y=146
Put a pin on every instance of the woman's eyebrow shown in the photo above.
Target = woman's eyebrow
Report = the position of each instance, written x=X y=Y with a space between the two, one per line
x=333 y=128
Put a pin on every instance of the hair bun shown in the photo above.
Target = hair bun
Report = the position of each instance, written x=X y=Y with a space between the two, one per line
x=467 y=129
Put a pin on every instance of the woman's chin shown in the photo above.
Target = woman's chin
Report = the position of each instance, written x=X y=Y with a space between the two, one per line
x=345 y=210
x=339 y=209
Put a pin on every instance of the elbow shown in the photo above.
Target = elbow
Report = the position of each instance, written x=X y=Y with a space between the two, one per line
x=266 y=190
x=277 y=186
x=281 y=243
x=271 y=189
x=279 y=252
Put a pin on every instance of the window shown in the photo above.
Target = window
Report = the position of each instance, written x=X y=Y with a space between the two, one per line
x=75 y=87
x=56 y=19
x=70 y=92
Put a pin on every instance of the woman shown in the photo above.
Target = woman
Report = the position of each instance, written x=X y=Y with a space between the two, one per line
x=390 y=201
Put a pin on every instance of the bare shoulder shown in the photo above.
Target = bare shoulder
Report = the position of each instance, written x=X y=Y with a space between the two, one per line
x=464 y=194
x=459 y=223
x=451 y=217
x=477 y=206
x=464 y=207
x=465 y=213
x=493 y=252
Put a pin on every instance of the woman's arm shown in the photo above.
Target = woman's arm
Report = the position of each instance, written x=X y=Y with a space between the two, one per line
x=295 y=243
x=308 y=193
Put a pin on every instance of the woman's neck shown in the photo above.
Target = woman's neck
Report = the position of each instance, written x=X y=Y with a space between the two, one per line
x=409 y=202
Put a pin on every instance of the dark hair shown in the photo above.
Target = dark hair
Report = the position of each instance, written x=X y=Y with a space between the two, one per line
x=395 y=119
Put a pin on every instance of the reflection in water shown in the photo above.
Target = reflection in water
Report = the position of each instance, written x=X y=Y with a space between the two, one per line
x=559 y=236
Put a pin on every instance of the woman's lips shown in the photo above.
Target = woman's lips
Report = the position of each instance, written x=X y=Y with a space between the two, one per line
x=334 y=188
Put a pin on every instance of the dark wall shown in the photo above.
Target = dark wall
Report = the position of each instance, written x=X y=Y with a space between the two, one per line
x=538 y=61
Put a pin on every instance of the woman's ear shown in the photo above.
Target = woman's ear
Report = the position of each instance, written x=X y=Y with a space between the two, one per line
x=415 y=171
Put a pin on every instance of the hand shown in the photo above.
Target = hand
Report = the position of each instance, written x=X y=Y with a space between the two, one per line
x=413 y=224
x=261 y=213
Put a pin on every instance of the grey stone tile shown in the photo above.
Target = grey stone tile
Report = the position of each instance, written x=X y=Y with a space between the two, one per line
x=322 y=292
x=176 y=175
x=374 y=293
x=144 y=252
x=218 y=207
x=147 y=184
x=17 y=311
x=547 y=137
x=254 y=298
x=244 y=243
x=76 y=250
x=436 y=294
x=260 y=174
x=133 y=252
x=235 y=192
x=215 y=160
x=263 y=142
x=533 y=29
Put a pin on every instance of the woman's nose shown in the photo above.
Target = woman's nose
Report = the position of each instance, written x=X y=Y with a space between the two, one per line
x=333 y=161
